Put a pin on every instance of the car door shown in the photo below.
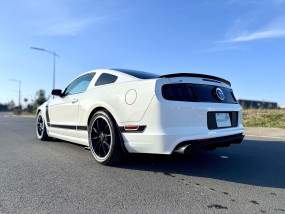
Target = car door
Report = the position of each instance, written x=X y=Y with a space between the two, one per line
x=63 y=110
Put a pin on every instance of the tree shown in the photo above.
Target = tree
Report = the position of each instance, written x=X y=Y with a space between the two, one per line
x=40 y=97
x=7 y=106
x=11 y=105
x=3 y=107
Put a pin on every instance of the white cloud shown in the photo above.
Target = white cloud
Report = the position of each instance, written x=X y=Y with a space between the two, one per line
x=259 y=35
x=247 y=2
x=237 y=34
x=56 y=18
x=68 y=27
x=222 y=47
x=274 y=29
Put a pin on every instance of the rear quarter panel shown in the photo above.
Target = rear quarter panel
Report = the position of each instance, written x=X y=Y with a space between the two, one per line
x=113 y=98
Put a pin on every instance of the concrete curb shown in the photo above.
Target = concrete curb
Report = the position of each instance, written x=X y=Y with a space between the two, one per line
x=31 y=116
x=265 y=132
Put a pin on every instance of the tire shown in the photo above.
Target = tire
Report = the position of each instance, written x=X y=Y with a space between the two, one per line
x=104 y=139
x=41 y=128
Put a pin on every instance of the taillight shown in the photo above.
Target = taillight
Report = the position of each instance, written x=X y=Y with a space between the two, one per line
x=196 y=93
x=131 y=128
x=179 y=92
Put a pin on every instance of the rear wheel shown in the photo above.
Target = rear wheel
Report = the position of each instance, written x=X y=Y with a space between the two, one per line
x=104 y=139
x=41 y=128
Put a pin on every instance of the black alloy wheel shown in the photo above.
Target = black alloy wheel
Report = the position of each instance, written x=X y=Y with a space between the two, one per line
x=40 y=125
x=41 y=128
x=104 y=139
x=101 y=137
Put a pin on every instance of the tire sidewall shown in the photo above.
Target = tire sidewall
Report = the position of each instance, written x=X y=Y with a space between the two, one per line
x=44 y=126
x=114 y=137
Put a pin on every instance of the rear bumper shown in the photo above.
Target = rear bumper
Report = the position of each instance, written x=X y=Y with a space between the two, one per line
x=208 y=144
x=166 y=142
x=168 y=124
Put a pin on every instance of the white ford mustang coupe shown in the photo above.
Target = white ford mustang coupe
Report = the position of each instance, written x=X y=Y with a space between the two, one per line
x=117 y=111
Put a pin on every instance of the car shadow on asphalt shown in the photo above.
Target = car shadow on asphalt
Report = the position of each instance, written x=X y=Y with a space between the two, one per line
x=259 y=163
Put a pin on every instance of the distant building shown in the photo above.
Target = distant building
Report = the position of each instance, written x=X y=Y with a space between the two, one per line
x=257 y=104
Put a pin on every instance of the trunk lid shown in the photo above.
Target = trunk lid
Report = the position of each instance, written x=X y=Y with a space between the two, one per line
x=196 y=88
x=196 y=78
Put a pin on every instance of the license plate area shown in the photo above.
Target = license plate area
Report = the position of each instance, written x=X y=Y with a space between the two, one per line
x=212 y=121
x=223 y=120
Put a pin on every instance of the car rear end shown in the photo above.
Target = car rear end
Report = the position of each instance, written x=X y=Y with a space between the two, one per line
x=188 y=112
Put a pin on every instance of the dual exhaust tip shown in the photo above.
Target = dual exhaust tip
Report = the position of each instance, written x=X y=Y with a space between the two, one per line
x=208 y=143
x=185 y=149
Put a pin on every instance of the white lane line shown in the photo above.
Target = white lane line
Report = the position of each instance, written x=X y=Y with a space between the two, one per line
x=265 y=137
x=224 y=157
x=31 y=116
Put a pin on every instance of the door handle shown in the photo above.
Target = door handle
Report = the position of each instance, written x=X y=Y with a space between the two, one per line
x=74 y=100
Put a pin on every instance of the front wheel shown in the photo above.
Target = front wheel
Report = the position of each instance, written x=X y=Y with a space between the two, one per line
x=41 y=128
x=104 y=139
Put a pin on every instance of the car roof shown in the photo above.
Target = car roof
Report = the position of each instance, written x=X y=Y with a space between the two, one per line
x=133 y=75
x=125 y=74
x=138 y=74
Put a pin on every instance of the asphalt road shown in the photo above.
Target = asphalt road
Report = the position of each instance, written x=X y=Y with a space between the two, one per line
x=61 y=177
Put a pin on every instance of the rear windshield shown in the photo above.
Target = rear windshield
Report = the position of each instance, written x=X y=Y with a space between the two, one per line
x=138 y=74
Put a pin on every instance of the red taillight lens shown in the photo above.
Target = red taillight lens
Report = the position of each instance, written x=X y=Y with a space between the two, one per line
x=131 y=128
x=204 y=139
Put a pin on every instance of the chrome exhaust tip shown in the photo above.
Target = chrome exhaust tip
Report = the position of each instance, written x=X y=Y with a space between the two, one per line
x=183 y=149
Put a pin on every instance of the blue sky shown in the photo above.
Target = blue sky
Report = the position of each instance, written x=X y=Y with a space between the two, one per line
x=239 y=40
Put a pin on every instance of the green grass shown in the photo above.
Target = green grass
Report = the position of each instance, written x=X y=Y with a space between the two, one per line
x=33 y=113
x=271 y=118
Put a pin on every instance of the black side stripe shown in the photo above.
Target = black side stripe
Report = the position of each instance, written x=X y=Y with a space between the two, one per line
x=47 y=114
x=81 y=128
x=63 y=126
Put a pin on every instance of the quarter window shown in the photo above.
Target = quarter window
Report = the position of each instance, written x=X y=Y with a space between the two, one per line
x=106 y=79
x=79 y=85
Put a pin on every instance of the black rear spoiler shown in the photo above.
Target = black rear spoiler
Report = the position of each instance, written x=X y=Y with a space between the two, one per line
x=196 y=75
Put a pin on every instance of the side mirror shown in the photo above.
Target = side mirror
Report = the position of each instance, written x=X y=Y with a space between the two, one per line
x=56 y=92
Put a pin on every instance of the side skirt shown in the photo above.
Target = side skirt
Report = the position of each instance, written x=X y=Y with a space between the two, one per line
x=69 y=138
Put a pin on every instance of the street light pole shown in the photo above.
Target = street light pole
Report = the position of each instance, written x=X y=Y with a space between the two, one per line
x=20 y=93
x=54 y=56
x=53 y=85
x=19 y=81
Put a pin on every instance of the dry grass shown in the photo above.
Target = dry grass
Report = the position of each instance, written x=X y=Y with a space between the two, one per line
x=271 y=118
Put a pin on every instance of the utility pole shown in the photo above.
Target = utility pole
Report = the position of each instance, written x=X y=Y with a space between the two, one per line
x=54 y=61
x=20 y=82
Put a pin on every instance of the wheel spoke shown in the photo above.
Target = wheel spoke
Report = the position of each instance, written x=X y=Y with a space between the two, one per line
x=106 y=143
x=97 y=148
x=96 y=131
x=104 y=149
x=101 y=150
x=99 y=125
x=105 y=127
x=102 y=125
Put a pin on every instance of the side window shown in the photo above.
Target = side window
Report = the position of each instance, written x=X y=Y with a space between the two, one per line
x=79 y=85
x=106 y=79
